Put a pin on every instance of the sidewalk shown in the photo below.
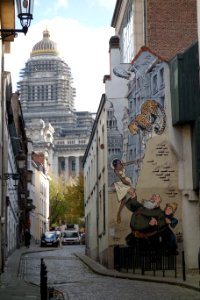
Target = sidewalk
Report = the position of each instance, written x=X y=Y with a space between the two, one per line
x=12 y=287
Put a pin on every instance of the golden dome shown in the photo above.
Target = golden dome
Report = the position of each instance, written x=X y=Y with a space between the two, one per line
x=45 y=46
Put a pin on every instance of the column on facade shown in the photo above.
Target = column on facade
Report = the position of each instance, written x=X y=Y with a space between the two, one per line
x=77 y=166
x=66 y=168
x=55 y=166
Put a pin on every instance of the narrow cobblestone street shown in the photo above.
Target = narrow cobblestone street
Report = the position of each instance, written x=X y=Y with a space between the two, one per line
x=68 y=274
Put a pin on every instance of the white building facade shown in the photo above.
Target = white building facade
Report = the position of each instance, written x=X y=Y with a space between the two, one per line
x=106 y=143
x=52 y=123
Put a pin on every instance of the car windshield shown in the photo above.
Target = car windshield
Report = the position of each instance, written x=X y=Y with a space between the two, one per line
x=49 y=234
x=70 y=234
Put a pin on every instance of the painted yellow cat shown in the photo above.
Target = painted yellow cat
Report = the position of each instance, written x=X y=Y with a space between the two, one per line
x=149 y=113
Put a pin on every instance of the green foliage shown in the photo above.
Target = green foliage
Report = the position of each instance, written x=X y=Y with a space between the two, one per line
x=66 y=202
x=75 y=199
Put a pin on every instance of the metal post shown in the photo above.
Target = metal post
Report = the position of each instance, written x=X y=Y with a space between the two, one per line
x=142 y=255
x=183 y=266
x=51 y=292
x=43 y=280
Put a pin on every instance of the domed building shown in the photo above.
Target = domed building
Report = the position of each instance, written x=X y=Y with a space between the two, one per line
x=47 y=98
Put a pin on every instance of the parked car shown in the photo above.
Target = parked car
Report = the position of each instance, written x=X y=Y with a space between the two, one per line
x=70 y=237
x=50 y=238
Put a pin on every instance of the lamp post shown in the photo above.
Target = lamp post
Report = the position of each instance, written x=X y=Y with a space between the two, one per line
x=21 y=160
x=21 y=164
x=13 y=176
x=25 y=15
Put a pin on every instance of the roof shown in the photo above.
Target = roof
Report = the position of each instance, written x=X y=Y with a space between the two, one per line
x=45 y=46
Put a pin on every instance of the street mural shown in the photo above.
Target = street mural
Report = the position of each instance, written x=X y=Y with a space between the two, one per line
x=149 y=118
x=124 y=187
x=152 y=225
x=143 y=118
x=149 y=223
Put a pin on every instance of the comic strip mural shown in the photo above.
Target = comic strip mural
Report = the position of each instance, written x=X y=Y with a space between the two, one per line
x=142 y=170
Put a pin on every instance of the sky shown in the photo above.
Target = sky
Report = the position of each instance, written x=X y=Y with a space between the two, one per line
x=82 y=30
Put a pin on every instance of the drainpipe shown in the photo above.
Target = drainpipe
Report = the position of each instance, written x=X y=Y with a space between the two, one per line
x=2 y=204
x=97 y=198
x=145 y=22
x=1 y=156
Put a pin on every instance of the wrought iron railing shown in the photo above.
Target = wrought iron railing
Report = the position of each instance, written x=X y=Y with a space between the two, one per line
x=131 y=259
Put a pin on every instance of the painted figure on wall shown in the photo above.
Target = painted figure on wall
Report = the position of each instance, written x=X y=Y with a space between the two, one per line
x=168 y=237
x=152 y=115
x=124 y=187
x=150 y=225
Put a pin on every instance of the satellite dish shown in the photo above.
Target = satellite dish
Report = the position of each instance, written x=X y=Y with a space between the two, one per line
x=120 y=72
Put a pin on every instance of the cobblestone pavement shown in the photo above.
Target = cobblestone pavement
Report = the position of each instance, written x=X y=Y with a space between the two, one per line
x=68 y=274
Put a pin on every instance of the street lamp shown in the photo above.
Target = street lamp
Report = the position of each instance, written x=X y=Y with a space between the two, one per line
x=25 y=14
x=13 y=176
x=21 y=163
x=21 y=160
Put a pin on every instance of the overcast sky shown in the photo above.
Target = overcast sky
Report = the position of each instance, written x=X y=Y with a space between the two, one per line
x=81 y=29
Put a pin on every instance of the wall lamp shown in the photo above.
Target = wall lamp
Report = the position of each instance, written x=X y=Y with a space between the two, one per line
x=25 y=14
x=13 y=176
x=21 y=163
x=21 y=160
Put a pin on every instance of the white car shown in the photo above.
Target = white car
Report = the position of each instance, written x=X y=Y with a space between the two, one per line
x=70 y=237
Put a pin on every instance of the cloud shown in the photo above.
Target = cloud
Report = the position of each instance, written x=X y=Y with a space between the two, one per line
x=84 y=49
x=55 y=7
x=108 y=4
x=61 y=3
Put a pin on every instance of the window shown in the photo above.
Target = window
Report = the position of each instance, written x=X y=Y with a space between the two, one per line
x=162 y=101
x=126 y=35
x=138 y=83
x=155 y=84
x=62 y=164
x=162 y=77
x=73 y=165
x=131 y=105
x=131 y=154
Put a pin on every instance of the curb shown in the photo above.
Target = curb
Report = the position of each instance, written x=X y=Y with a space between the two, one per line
x=101 y=270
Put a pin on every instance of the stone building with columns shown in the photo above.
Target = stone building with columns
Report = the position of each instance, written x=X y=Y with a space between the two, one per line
x=52 y=123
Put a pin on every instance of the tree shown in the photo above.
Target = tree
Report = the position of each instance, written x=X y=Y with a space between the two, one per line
x=66 y=202
x=74 y=196
x=58 y=205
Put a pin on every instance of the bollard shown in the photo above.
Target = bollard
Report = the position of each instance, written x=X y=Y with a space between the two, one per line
x=43 y=280
x=183 y=266
x=51 y=293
